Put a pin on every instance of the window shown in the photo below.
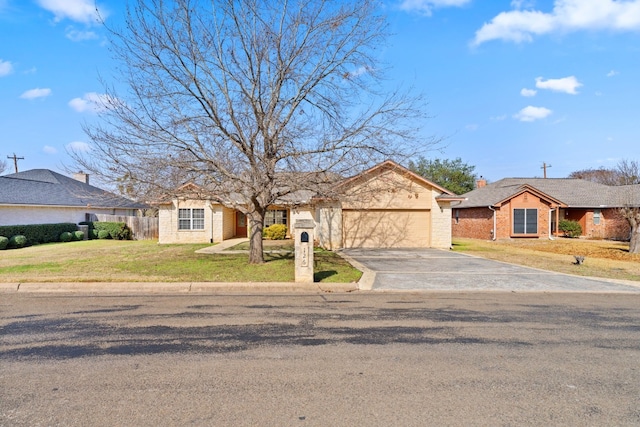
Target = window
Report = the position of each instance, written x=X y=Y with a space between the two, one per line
x=275 y=217
x=525 y=221
x=457 y=216
x=190 y=219
x=597 y=214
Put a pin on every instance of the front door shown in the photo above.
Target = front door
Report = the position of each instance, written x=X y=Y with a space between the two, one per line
x=241 y=224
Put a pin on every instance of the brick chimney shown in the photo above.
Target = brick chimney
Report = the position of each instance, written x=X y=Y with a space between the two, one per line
x=81 y=176
x=481 y=182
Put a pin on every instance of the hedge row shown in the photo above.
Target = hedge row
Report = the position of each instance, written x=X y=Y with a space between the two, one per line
x=106 y=230
x=38 y=233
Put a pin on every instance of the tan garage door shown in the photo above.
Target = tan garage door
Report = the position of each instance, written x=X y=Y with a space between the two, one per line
x=386 y=228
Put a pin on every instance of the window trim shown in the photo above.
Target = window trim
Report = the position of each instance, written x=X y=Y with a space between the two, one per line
x=597 y=216
x=525 y=222
x=271 y=217
x=191 y=221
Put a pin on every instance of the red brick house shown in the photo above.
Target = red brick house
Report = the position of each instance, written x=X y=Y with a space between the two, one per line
x=532 y=207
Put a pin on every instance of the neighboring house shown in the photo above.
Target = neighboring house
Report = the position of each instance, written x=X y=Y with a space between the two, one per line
x=41 y=196
x=533 y=207
x=385 y=206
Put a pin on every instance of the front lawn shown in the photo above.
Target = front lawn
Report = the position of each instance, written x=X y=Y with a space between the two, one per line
x=146 y=261
x=603 y=258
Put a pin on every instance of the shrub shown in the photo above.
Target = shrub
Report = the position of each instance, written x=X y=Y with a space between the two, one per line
x=78 y=235
x=275 y=232
x=103 y=234
x=38 y=233
x=570 y=228
x=17 y=241
x=117 y=230
x=66 y=237
x=4 y=242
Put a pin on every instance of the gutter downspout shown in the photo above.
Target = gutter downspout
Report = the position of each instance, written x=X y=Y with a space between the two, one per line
x=550 y=232
x=493 y=232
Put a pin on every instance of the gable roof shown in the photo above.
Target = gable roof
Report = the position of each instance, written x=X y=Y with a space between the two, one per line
x=393 y=166
x=576 y=193
x=43 y=187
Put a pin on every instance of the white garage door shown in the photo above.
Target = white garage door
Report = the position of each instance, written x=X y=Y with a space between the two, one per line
x=386 y=228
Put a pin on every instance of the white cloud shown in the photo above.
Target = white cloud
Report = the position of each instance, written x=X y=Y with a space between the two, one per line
x=76 y=10
x=49 y=149
x=522 y=4
x=612 y=73
x=565 y=84
x=36 y=93
x=530 y=114
x=78 y=146
x=360 y=71
x=425 y=7
x=528 y=92
x=78 y=35
x=91 y=102
x=567 y=16
x=499 y=118
x=6 y=68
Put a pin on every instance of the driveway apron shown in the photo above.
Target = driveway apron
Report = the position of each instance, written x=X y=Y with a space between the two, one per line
x=435 y=269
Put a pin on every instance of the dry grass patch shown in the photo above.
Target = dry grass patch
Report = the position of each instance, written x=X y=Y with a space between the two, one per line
x=603 y=258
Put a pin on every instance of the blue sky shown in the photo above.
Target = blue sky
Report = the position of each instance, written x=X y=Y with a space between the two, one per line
x=510 y=84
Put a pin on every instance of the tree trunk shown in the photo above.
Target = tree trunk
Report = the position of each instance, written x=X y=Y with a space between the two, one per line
x=634 y=243
x=256 y=222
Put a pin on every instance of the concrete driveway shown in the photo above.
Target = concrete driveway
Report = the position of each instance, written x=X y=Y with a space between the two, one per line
x=435 y=269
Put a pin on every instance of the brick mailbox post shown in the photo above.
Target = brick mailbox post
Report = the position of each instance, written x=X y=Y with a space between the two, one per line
x=304 y=250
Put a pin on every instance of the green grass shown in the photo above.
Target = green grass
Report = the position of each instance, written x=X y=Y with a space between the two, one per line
x=146 y=261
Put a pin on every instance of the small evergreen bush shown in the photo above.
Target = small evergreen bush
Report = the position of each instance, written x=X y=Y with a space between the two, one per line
x=4 y=242
x=78 y=235
x=570 y=228
x=17 y=241
x=275 y=232
x=66 y=237
x=103 y=234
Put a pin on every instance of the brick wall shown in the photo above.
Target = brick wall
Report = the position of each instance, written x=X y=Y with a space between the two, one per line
x=617 y=228
x=474 y=223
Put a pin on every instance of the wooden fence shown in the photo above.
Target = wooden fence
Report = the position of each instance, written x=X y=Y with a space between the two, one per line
x=142 y=227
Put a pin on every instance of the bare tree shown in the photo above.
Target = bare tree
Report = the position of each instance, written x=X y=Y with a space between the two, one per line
x=251 y=99
x=3 y=166
x=629 y=177
x=628 y=172
x=600 y=175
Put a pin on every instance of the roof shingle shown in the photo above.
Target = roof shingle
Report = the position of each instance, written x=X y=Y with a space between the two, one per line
x=47 y=188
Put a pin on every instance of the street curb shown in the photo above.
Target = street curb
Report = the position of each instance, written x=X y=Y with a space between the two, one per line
x=368 y=276
x=9 y=287
x=175 y=288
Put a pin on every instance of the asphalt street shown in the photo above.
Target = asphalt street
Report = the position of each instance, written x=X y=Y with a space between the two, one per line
x=434 y=269
x=319 y=359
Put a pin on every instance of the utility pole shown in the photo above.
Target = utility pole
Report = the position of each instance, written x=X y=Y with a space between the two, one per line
x=15 y=160
x=544 y=167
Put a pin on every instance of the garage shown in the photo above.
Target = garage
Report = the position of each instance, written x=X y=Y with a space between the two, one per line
x=386 y=228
